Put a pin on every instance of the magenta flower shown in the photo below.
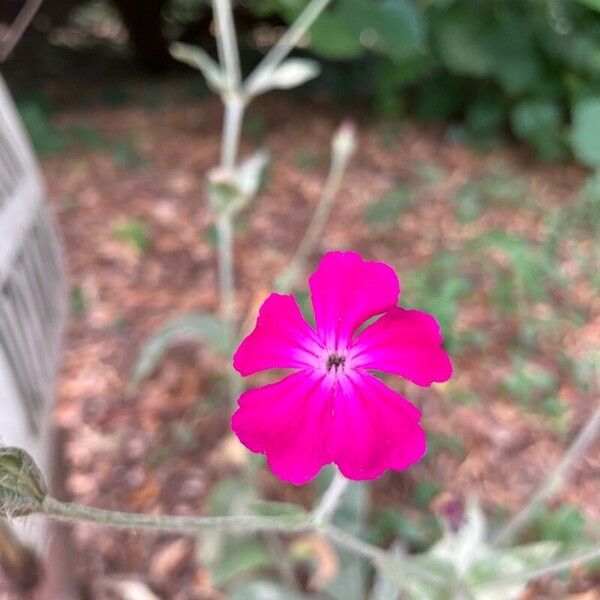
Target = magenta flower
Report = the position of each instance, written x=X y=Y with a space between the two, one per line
x=332 y=409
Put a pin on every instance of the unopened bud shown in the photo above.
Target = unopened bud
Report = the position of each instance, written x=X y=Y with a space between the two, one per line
x=223 y=193
x=345 y=141
x=22 y=485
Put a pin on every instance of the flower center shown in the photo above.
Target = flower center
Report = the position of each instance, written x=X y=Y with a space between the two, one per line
x=335 y=361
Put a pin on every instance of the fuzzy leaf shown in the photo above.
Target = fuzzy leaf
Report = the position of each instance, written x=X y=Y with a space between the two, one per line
x=22 y=485
x=504 y=564
x=264 y=590
x=350 y=583
x=249 y=173
x=585 y=134
x=463 y=547
x=197 y=58
x=289 y=74
x=198 y=327
x=276 y=509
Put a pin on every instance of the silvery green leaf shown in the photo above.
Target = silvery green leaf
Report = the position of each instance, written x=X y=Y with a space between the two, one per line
x=510 y=561
x=199 y=327
x=22 y=485
x=228 y=497
x=264 y=590
x=505 y=591
x=419 y=576
x=351 y=580
x=344 y=142
x=244 y=556
x=129 y=589
x=197 y=58
x=585 y=131
x=533 y=555
x=223 y=192
x=504 y=564
x=593 y=4
x=463 y=547
x=289 y=74
x=249 y=173
x=398 y=583
x=275 y=509
x=385 y=588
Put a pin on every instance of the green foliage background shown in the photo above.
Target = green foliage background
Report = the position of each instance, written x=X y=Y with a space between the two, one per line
x=528 y=67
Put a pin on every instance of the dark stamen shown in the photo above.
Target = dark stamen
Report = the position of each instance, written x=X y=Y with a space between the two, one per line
x=335 y=360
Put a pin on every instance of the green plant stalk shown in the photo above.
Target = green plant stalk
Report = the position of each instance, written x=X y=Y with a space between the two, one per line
x=577 y=449
x=235 y=107
x=185 y=525
x=288 y=40
x=330 y=499
x=70 y=512
x=311 y=236
x=557 y=566
x=232 y=127
x=224 y=227
x=279 y=554
x=227 y=45
x=387 y=562
x=394 y=566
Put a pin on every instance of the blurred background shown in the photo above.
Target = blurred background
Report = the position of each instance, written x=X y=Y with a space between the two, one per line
x=475 y=177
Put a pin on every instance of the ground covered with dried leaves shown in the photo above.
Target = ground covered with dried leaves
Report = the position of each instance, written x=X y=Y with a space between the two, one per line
x=486 y=239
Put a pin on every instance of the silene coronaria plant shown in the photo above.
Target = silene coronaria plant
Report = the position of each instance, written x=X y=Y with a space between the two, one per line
x=332 y=409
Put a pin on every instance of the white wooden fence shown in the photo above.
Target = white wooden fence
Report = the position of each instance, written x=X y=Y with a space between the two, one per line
x=32 y=300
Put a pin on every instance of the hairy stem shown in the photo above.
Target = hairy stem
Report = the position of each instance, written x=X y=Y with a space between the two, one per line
x=279 y=553
x=313 y=232
x=66 y=511
x=395 y=567
x=330 y=499
x=224 y=227
x=288 y=41
x=381 y=559
x=72 y=513
x=232 y=127
x=226 y=279
x=227 y=45
x=557 y=566
x=555 y=480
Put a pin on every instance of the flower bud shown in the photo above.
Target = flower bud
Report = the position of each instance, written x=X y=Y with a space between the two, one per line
x=344 y=142
x=223 y=192
x=22 y=485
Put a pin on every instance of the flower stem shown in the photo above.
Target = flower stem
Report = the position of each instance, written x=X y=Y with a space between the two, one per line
x=288 y=276
x=235 y=107
x=232 y=127
x=383 y=560
x=227 y=45
x=393 y=566
x=185 y=525
x=224 y=228
x=66 y=511
x=288 y=41
x=554 y=567
x=330 y=499
x=555 y=480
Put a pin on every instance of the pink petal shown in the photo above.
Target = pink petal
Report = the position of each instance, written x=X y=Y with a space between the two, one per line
x=375 y=429
x=404 y=342
x=281 y=339
x=346 y=291
x=290 y=422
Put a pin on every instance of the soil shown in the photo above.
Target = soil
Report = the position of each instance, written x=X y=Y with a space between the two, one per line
x=161 y=449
